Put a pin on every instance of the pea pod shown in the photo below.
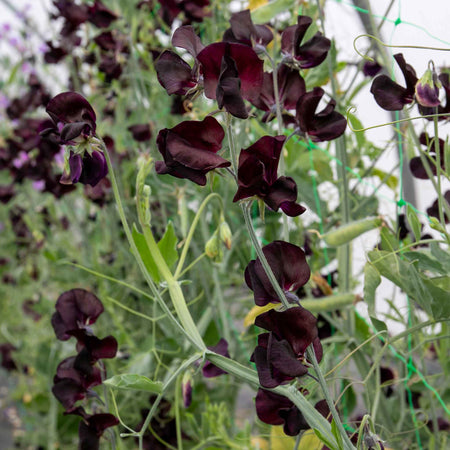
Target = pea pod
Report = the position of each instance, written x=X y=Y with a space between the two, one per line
x=348 y=232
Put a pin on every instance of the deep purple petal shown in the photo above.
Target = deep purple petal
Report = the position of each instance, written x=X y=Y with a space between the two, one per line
x=76 y=167
x=94 y=168
x=75 y=309
x=69 y=107
x=323 y=126
x=283 y=193
x=268 y=404
x=296 y=325
x=68 y=391
x=174 y=74
x=141 y=132
x=185 y=37
x=249 y=67
x=209 y=370
x=228 y=93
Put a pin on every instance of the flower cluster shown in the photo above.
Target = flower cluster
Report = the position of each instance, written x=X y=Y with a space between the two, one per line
x=280 y=355
x=74 y=125
x=231 y=72
x=76 y=310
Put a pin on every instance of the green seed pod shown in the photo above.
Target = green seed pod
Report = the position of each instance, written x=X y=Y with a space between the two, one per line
x=348 y=232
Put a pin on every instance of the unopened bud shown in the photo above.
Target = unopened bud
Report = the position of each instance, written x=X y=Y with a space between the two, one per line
x=212 y=247
x=225 y=234
x=427 y=89
x=186 y=388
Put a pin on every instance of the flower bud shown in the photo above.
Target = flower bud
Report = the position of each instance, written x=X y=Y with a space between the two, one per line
x=427 y=89
x=212 y=247
x=225 y=234
x=186 y=388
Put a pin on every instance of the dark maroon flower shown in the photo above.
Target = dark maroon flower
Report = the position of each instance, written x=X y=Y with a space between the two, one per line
x=390 y=95
x=415 y=164
x=141 y=132
x=433 y=210
x=100 y=15
x=185 y=37
x=209 y=370
x=249 y=68
x=92 y=427
x=74 y=15
x=371 y=68
x=36 y=96
x=288 y=264
x=276 y=362
x=174 y=74
x=295 y=325
x=189 y=149
x=82 y=376
x=68 y=391
x=307 y=55
x=387 y=375
x=110 y=67
x=326 y=125
x=7 y=192
x=243 y=31
x=93 y=348
x=54 y=54
x=257 y=175
x=228 y=92
x=73 y=115
x=291 y=86
x=280 y=354
x=86 y=169
x=442 y=109
x=75 y=309
x=8 y=362
x=275 y=409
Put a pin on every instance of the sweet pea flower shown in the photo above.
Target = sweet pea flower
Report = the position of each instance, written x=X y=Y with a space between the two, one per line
x=190 y=149
x=308 y=54
x=289 y=266
x=257 y=176
x=75 y=309
x=326 y=125
x=75 y=123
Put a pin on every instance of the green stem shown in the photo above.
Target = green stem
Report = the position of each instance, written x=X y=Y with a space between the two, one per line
x=246 y=208
x=192 y=230
x=329 y=400
x=177 y=413
x=186 y=364
x=136 y=254
x=438 y=169
x=314 y=419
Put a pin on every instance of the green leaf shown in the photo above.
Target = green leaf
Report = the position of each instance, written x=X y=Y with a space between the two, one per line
x=425 y=261
x=378 y=324
x=388 y=240
x=168 y=245
x=337 y=434
x=324 y=439
x=414 y=223
x=130 y=381
x=266 y=12
x=357 y=125
x=145 y=254
x=391 y=181
x=441 y=255
x=433 y=299
x=372 y=280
